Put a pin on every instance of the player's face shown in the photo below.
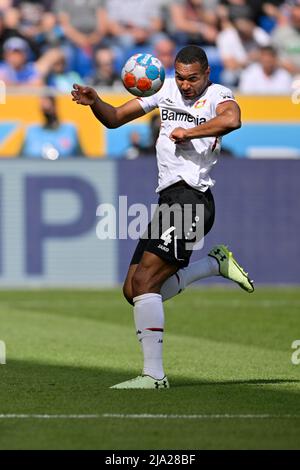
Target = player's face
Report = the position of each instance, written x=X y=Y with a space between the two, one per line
x=191 y=79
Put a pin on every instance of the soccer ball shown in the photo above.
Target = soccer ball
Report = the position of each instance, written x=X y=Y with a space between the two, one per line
x=143 y=75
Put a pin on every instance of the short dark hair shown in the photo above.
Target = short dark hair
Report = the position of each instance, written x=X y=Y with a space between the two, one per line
x=269 y=49
x=192 y=54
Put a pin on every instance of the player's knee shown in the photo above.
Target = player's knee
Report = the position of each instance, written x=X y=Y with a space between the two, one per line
x=127 y=292
x=142 y=284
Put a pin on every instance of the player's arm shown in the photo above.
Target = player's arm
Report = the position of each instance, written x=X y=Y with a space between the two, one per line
x=110 y=116
x=228 y=119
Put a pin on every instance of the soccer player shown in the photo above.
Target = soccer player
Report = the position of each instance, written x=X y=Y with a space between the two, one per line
x=195 y=114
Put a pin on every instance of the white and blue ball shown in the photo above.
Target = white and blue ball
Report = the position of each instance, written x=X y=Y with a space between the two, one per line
x=143 y=75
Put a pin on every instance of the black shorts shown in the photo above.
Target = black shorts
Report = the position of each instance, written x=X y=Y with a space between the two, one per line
x=182 y=219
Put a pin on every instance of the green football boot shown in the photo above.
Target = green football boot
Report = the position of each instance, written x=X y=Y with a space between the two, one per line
x=144 y=382
x=230 y=269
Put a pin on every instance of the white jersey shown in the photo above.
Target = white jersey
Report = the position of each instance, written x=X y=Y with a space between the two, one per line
x=192 y=160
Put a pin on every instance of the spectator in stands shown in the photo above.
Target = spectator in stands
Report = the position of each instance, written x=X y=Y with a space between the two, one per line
x=251 y=9
x=15 y=70
x=136 y=146
x=51 y=33
x=265 y=76
x=105 y=74
x=5 y=5
x=271 y=14
x=133 y=26
x=31 y=13
x=13 y=24
x=5 y=33
x=211 y=5
x=46 y=5
x=36 y=22
x=192 y=22
x=12 y=18
x=53 y=139
x=84 y=26
x=238 y=46
x=60 y=78
x=286 y=39
x=165 y=51
x=195 y=21
x=139 y=148
x=233 y=9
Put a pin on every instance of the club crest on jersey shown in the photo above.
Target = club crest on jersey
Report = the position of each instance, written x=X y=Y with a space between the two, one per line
x=200 y=104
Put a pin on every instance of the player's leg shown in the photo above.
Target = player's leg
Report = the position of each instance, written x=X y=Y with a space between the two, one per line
x=159 y=255
x=202 y=269
x=214 y=264
x=146 y=282
x=220 y=261
x=136 y=258
x=157 y=258
x=149 y=276
x=177 y=282
x=127 y=287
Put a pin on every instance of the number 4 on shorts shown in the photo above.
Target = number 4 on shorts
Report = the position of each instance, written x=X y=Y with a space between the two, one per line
x=167 y=237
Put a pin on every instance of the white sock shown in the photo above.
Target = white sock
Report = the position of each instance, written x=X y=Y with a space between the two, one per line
x=149 y=323
x=205 y=267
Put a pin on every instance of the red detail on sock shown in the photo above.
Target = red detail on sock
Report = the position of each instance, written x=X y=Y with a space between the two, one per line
x=155 y=329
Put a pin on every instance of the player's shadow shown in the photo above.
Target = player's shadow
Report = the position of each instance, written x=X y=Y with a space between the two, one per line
x=28 y=387
x=202 y=383
x=86 y=384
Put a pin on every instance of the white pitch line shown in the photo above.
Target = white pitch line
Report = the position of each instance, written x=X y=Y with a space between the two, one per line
x=146 y=416
x=40 y=416
x=198 y=416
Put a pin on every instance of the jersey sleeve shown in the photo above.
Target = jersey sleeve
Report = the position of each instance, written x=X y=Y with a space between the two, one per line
x=221 y=95
x=149 y=103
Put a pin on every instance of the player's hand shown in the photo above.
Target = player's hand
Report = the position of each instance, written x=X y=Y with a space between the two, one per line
x=179 y=135
x=84 y=95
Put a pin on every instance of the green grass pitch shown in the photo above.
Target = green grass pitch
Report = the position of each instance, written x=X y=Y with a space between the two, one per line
x=226 y=353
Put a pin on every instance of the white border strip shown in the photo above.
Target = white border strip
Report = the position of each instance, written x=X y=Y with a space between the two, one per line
x=147 y=416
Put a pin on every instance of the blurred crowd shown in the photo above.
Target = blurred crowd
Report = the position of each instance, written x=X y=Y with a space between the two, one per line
x=252 y=45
